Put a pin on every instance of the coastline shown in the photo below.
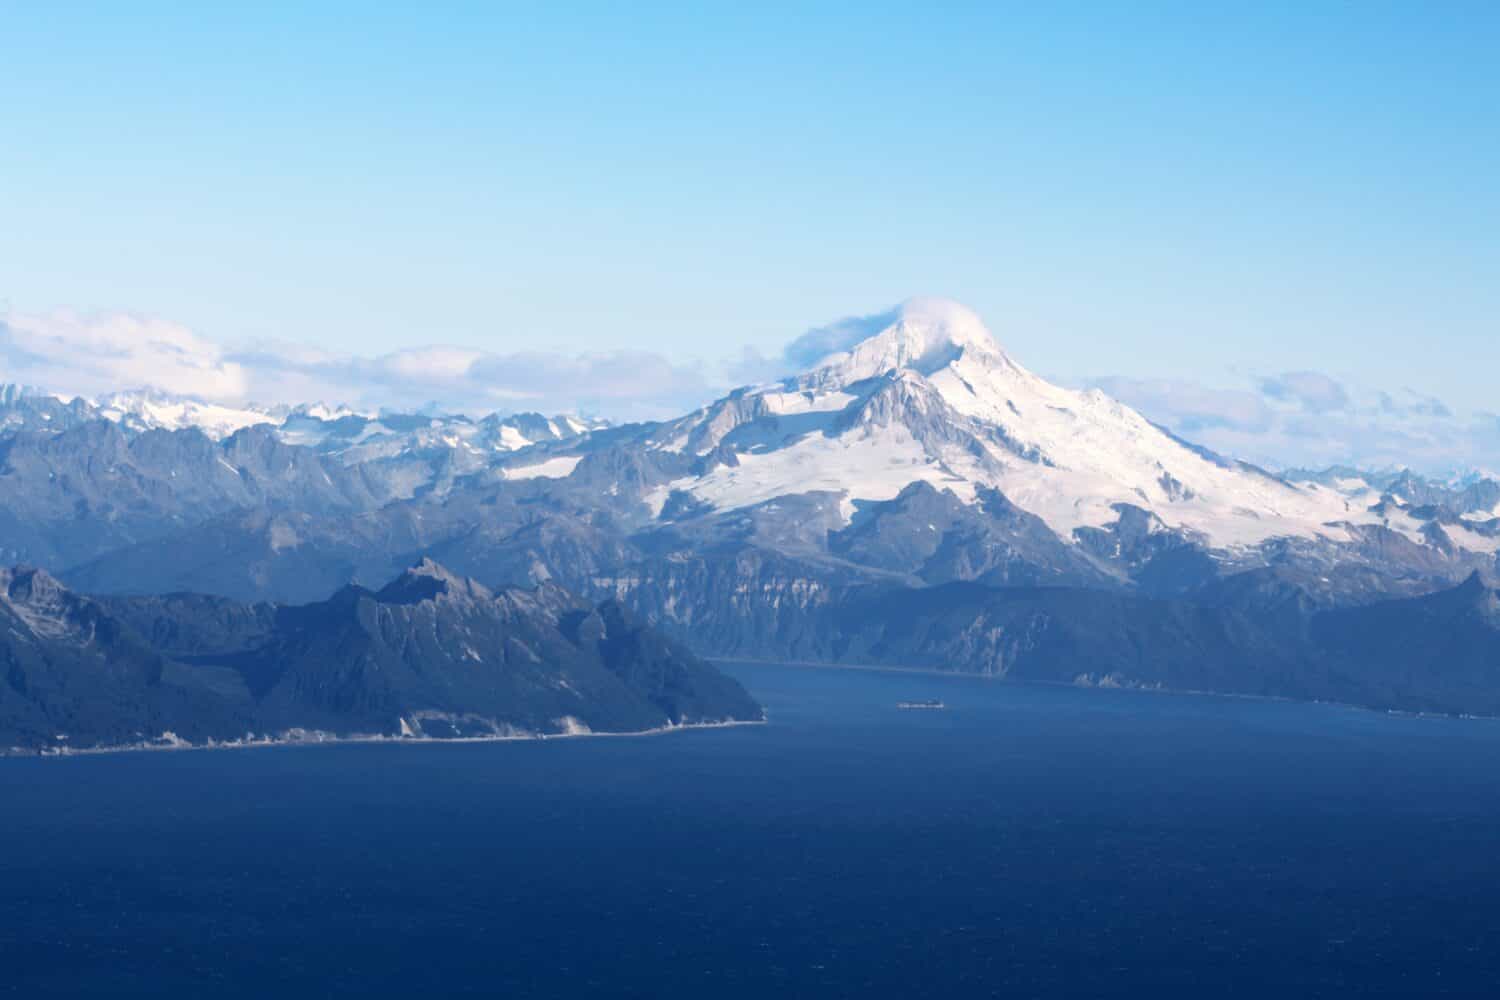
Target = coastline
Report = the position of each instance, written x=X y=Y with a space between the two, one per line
x=318 y=738
x=1399 y=713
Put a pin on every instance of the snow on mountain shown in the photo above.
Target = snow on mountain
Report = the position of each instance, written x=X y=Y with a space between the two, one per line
x=928 y=397
x=357 y=436
x=149 y=410
x=322 y=411
x=553 y=468
x=934 y=398
x=363 y=437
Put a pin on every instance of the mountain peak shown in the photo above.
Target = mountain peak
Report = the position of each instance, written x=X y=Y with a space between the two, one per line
x=428 y=566
x=1474 y=589
x=921 y=334
x=1473 y=584
x=428 y=579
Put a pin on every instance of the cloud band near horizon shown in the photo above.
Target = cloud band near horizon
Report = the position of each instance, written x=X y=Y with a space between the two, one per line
x=1288 y=419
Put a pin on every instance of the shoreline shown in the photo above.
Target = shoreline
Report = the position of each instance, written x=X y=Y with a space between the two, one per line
x=1399 y=713
x=322 y=738
x=311 y=738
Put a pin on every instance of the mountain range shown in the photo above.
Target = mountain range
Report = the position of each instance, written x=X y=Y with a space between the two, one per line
x=429 y=655
x=917 y=462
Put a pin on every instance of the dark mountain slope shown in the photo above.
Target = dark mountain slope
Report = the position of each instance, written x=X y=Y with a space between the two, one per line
x=1438 y=653
x=71 y=675
x=430 y=654
x=447 y=655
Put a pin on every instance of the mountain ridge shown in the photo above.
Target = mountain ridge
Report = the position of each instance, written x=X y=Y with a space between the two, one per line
x=431 y=655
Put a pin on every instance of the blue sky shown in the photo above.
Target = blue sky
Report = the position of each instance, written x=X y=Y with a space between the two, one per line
x=1206 y=192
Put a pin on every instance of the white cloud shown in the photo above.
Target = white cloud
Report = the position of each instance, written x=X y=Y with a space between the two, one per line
x=821 y=341
x=1293 y=418
x=1188 y=407
x=1313 y=419
x=621 y=385
x=434 y=363
x=92 y=355
x=1313 y=391
x=95 y=354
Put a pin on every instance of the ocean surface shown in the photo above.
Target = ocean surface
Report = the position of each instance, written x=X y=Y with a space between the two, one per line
x=1024 y=842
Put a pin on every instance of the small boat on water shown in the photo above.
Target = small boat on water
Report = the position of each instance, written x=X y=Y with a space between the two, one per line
x=920 y=704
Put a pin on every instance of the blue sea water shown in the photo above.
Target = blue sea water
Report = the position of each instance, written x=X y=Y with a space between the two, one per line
x=1026 y=842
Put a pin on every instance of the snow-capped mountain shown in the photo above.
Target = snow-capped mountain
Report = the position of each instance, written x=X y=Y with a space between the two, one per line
x=930 y=398
x=135 y=411
x=920 y=453
x=340 y=430
x=915 y=497
x=360 y=437
x=148 y=409
x=934 y=398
